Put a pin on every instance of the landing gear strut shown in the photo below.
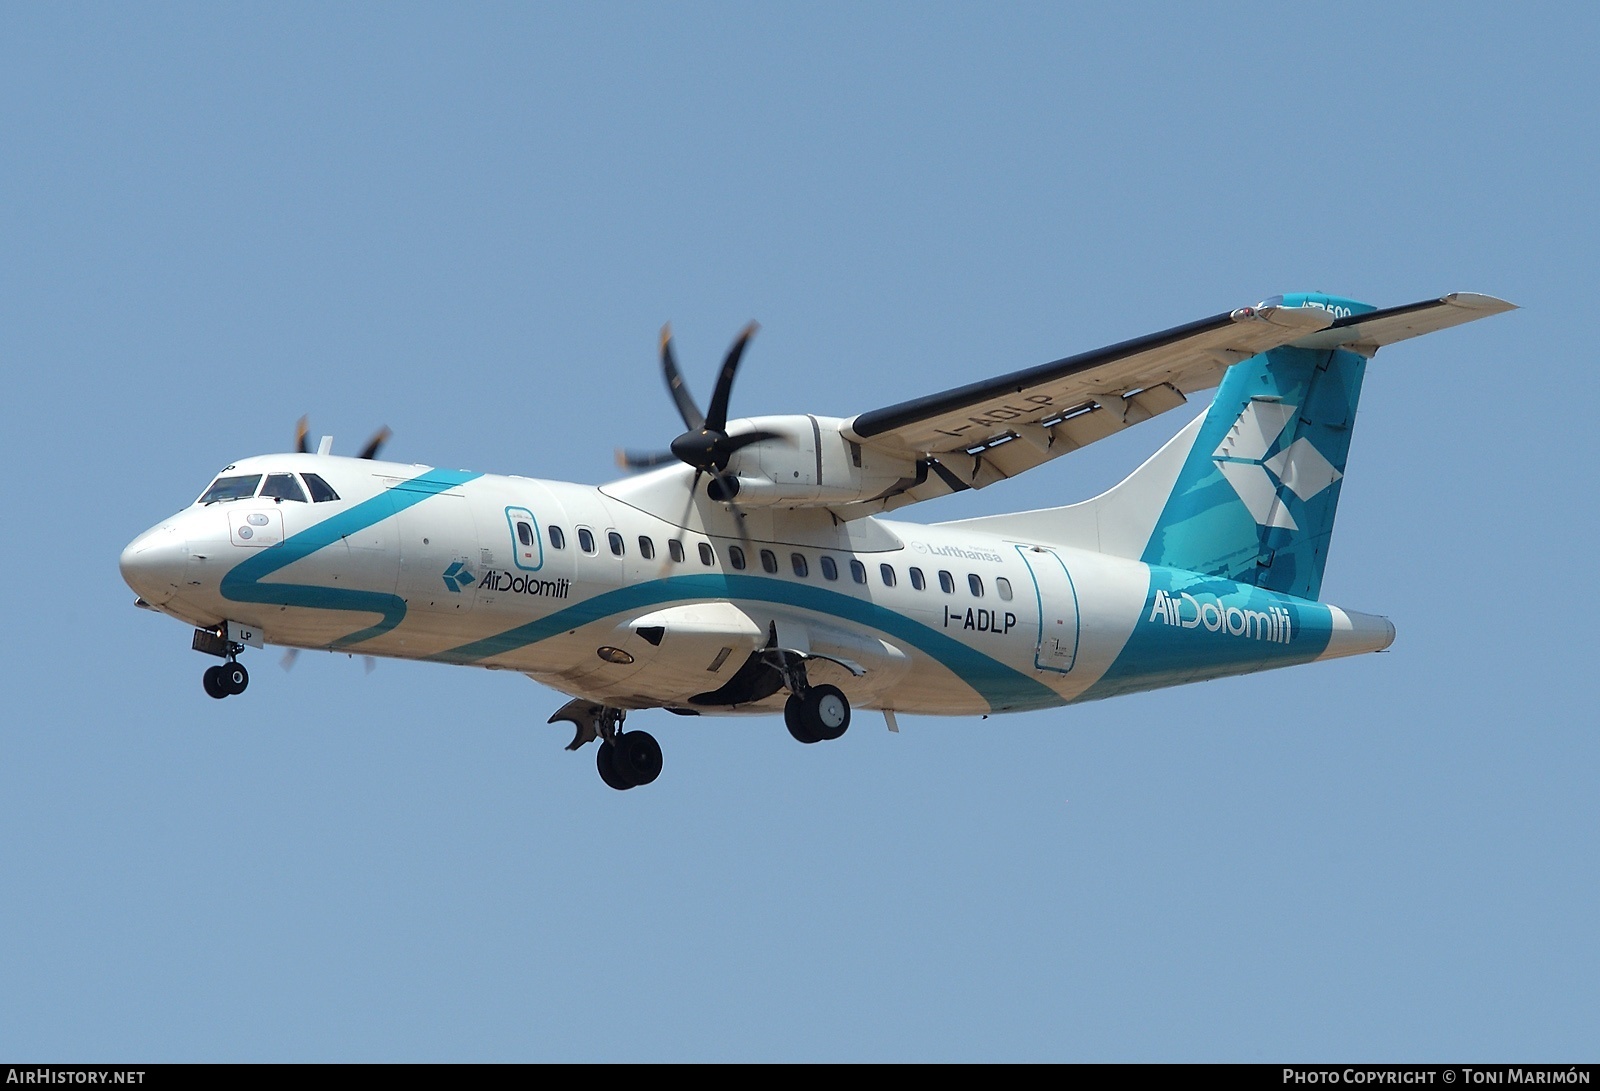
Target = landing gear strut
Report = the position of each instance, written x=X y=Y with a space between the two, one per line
x=626 y=759
x=812 y=713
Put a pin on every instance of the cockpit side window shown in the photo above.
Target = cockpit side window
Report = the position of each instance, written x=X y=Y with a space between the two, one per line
x=283 y=487
x=231 y=488
x=321 y=491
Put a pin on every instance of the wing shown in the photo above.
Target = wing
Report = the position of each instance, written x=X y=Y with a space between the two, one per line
x=985 y=432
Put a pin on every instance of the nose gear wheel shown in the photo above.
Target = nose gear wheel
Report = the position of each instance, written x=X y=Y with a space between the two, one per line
x=225 y=680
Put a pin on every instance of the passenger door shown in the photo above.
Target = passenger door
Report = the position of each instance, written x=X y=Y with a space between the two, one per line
x=1057 y=647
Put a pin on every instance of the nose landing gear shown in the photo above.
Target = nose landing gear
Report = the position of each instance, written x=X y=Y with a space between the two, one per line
x=225 y=680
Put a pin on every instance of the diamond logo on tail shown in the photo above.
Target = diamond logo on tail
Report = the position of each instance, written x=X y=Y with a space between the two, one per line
x=1260 y=481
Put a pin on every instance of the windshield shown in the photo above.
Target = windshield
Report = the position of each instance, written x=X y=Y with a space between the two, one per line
x=231 y=488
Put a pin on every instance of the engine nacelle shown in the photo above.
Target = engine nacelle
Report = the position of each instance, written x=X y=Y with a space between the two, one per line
x=809 y=463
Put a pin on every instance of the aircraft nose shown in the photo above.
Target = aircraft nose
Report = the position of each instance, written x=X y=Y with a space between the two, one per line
x=153 y=564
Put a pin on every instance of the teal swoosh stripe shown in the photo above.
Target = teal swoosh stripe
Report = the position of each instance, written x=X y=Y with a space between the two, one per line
x=1003 y=687
x=242 y=583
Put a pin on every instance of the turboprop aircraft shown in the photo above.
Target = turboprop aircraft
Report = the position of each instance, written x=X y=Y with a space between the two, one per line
x=750 y=568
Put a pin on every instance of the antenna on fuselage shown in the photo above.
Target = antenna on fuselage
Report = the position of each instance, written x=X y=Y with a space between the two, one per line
x=325 y=445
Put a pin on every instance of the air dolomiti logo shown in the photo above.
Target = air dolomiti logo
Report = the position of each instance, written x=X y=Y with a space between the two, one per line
x=1259 y=480
x=1188 y=611
x=518 y=583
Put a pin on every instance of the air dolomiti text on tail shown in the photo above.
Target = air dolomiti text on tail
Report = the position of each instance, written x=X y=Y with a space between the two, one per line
x=752 y=569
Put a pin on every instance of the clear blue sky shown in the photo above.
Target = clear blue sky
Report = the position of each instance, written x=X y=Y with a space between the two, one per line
x=468 y=222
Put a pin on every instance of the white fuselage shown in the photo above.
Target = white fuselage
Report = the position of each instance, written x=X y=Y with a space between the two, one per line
x=581 y=588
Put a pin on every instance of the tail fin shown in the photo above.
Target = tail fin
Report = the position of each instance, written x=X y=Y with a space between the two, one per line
x=1249 y=489
x=1256 y=496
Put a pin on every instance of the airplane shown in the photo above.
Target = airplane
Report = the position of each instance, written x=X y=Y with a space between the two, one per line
x=751 y=569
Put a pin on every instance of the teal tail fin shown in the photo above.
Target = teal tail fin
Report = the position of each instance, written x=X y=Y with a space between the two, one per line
x=1256 y=497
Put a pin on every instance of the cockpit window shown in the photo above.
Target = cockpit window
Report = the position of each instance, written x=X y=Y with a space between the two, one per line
x=231 y=488
x=321 y=491
x=283 y=487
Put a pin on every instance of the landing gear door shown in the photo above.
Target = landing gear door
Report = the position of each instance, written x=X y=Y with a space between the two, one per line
x=1057 y=648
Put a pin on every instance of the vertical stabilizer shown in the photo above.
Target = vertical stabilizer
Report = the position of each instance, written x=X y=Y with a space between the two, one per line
x=1256 y=497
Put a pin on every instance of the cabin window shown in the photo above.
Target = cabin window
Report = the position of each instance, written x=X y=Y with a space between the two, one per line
x=231 y=488
x=916 y=579
x=647 y=548
x=797 y=561
x=975 y=585
x=586 y=540
x=283 y=487
x=830 y=570
x=858 y=571
x=736 y=557
x=321 y=492
x=1003 y=585
x=886 y=571
x=618 y=546
x=769 y=561
x=707 y=558
x=558 y=538
x=524 y=534
x=675 y=549
x=947 y=583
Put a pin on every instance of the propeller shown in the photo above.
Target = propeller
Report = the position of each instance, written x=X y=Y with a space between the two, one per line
x=302 y=432
x=706 y=445
x=375 y=444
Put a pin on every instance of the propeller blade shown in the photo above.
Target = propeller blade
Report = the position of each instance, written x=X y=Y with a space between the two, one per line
x=683 y=520
x=717 y=419
x=369 y=663
x=301 y=431
x=375 y=444
x=728 y=486
x=644 y=460
x=289 y=657
x=693 y=419
x=744 y=439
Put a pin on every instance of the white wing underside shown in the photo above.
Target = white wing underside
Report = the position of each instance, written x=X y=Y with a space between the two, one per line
x=976 y=435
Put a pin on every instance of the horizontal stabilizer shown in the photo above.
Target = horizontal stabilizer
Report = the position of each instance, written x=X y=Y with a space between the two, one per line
x=1367 y=333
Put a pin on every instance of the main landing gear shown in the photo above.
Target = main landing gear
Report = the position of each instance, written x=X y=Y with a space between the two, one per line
x=626 y=759
x=812 y=713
